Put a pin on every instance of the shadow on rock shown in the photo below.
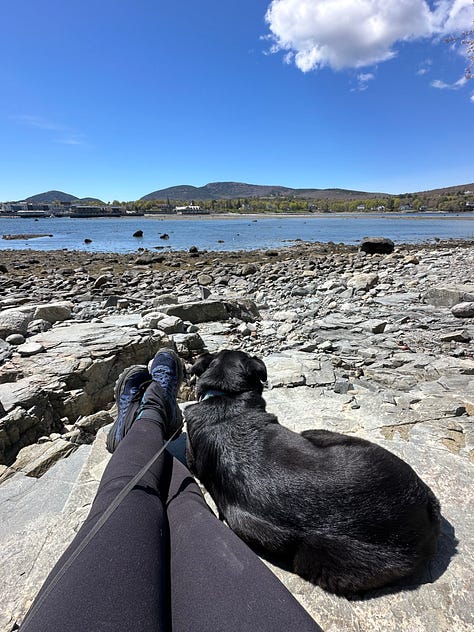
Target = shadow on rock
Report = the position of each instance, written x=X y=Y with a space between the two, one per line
x=430 y=573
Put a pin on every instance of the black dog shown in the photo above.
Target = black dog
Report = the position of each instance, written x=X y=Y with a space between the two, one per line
x=341 y=512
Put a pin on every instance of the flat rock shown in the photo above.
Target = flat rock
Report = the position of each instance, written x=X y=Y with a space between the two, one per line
x=408 y=389
x=73 y=377
x=34 y=460
x=440 y=597
x=37 y=525
x=449 y=295
x=30 y=349
x=460 y=335
x=287 y=369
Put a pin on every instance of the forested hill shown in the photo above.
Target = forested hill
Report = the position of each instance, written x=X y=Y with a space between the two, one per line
x=52 y=196
x=232 y=190
x=48 y=197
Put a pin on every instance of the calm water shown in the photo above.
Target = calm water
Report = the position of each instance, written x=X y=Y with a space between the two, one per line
x=116 y=235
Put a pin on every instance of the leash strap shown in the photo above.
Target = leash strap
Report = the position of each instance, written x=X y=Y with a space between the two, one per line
x=98 y=525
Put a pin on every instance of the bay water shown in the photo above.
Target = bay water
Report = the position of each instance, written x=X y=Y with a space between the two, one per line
x=239 y=233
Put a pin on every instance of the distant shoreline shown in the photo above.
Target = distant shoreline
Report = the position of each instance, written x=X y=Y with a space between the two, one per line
x=259 y=216
x=469 y=215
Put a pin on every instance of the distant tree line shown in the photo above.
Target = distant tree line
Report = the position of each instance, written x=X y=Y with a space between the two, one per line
x=454 y=202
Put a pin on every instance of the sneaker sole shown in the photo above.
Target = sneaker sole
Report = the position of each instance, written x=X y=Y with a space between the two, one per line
x=135 y=368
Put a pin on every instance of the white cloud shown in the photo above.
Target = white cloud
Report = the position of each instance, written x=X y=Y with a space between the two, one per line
x=357 y=33
x=441 y=85
x=453 y=16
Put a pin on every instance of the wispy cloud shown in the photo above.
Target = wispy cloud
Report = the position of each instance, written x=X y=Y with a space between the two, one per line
x=60 y=133
x=363 y=79
x=72 y=139
x=38 y=122
x=424 y=68
x=441 y=85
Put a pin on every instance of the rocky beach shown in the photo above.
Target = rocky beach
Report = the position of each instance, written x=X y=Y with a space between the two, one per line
x=376 y=345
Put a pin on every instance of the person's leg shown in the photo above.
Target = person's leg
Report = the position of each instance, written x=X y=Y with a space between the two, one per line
x=217 y=582
x=120 y=580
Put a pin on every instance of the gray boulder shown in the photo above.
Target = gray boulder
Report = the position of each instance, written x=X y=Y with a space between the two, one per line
x=92 y=423
x=209 y=311
x=363 y=281
x=150 y=320
x=53 y=312
x=205 y=279
x=377 y=245
x=198 y=312
x=463 y=310
x=38 y=326
x=15 y=339
x=15 y=321
x=374 y=325
x=186 y=344
x=171 y=325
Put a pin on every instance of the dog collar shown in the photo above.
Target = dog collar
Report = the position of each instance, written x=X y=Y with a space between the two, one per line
x=211 y=393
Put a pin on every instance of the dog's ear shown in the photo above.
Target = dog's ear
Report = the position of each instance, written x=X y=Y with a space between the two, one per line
x=259 y=368
x=202 y=363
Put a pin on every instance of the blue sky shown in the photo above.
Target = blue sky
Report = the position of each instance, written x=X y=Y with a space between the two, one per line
x=118 y=98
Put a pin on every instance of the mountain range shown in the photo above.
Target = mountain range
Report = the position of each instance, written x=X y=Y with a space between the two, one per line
x=233 y=190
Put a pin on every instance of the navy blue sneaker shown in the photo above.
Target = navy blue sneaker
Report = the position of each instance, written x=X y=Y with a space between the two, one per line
x=166 y=369
x=128 y=392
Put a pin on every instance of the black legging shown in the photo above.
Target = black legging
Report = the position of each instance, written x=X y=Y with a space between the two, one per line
x=162 y=561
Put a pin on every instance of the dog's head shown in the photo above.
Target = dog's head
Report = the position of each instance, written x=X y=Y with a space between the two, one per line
x=229 y=371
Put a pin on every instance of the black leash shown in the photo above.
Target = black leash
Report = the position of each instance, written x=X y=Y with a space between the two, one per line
x=98 y=525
